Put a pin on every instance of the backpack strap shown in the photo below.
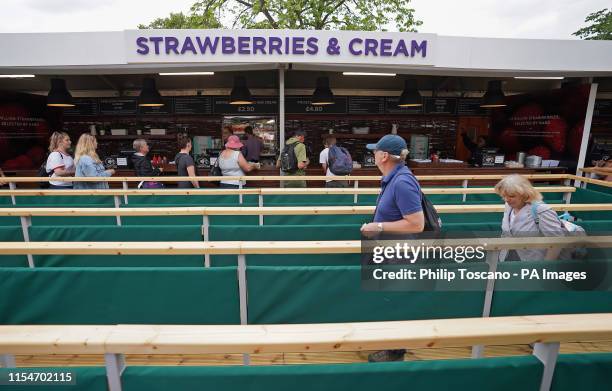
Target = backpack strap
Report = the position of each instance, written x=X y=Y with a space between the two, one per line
x=534 y=213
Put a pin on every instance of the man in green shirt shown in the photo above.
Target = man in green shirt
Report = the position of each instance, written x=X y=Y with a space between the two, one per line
x=302 y=159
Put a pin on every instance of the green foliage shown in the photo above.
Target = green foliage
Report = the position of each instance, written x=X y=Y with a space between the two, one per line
x=600 y=26
x=366 y=15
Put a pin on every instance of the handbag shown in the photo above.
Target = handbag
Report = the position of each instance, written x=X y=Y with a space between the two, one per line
x=215 y=169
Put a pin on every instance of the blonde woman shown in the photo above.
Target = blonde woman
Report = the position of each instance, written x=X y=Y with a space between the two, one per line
x=59 y=162
x=526 y=215
x=88 y=163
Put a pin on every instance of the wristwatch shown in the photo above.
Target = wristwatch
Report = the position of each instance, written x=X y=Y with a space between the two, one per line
x=380 y=227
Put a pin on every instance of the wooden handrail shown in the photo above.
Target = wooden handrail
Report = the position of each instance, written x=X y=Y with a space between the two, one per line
x=282 y=247
x=597 y=170
x=269 y=210
x=592 y=181
x=325 y=337
x=273 y=178
x=262 y=191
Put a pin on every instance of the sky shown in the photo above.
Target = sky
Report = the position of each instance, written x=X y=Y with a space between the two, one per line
x=547 y=19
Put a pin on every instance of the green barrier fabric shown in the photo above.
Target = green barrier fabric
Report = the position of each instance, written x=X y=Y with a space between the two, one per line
x=64 y=201
x=118 y=234
x=119 y=295
x=191 y=200
x=321 y=294
x=585 y=196
x=602 y=189
x=86 y=379
x=559 y=299
x=12 y=234
x=489 y=374
x=583 y=371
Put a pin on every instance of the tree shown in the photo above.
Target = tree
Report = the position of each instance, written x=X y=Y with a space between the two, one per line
x=295 y=14
x=600 y=26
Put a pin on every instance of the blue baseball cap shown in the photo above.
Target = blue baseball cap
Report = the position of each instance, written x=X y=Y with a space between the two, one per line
x=390 y=143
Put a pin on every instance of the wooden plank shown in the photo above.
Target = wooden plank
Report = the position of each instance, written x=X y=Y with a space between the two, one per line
x=284 y=247
x=269 y=210
x=333 y=337
x=592 y=181
x=262 y=191
x=61 y=360
x=276 y=178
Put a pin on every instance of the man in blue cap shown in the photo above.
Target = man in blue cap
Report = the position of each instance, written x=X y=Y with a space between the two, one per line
x=398 y=207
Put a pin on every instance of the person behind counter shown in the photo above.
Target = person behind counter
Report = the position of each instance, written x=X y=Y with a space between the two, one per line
x=143 y=166
x=252 y=146
x=59 y=162
x=185 y=166
x=475 y=148
x=232 y=163
x=226 y=131
x=294 y=166
x=88 y=163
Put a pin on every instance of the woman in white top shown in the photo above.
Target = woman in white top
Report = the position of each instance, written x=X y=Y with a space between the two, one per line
x=232 y=163
x=60 y=163
x=526 y=215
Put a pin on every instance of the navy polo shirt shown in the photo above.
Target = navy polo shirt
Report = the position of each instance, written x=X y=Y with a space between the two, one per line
x=400 y=195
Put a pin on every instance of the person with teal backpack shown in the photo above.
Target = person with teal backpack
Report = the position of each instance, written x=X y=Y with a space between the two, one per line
x=527 y=216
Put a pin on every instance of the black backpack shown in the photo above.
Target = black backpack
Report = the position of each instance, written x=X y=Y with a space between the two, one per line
x=430 y=215
x=43 y=173
x=288 y=159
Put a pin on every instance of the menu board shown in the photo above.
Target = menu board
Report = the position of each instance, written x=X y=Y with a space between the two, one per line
x=391 y=107
x=261 y=105
x=303 y=105
x=118 y=106
x=440 y=106
x=167 y=108
x=193 y=105
x=470 y=106
x=366 y=105
x=603 y=108
x=83 y=107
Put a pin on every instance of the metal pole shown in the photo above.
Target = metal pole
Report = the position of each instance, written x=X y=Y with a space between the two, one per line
x=26 y=222
x=492 y=260
x=281 y=108
x=205 y=234
x=117 y=205
x=115 y=364
x=125 y=197
x=243 y=296
x=547 y=353
x=356 y=196
x=7 y=361
x=13 y=186
x=261 y=217
x=240 y=195
x=567 y=196
x=586 y=132
x=464 y=185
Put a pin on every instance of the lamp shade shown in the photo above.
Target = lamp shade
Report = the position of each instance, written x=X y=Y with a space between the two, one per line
x=410 y=96
x=323 y=95
x=494 y=97
x=240 y=94
x=59 y=96
x=149 y=96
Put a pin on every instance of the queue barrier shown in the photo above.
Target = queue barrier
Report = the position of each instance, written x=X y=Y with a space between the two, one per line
x=26 y=214
x=546 y=332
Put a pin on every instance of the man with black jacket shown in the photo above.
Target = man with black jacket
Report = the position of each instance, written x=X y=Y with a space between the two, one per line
x=143 y=166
